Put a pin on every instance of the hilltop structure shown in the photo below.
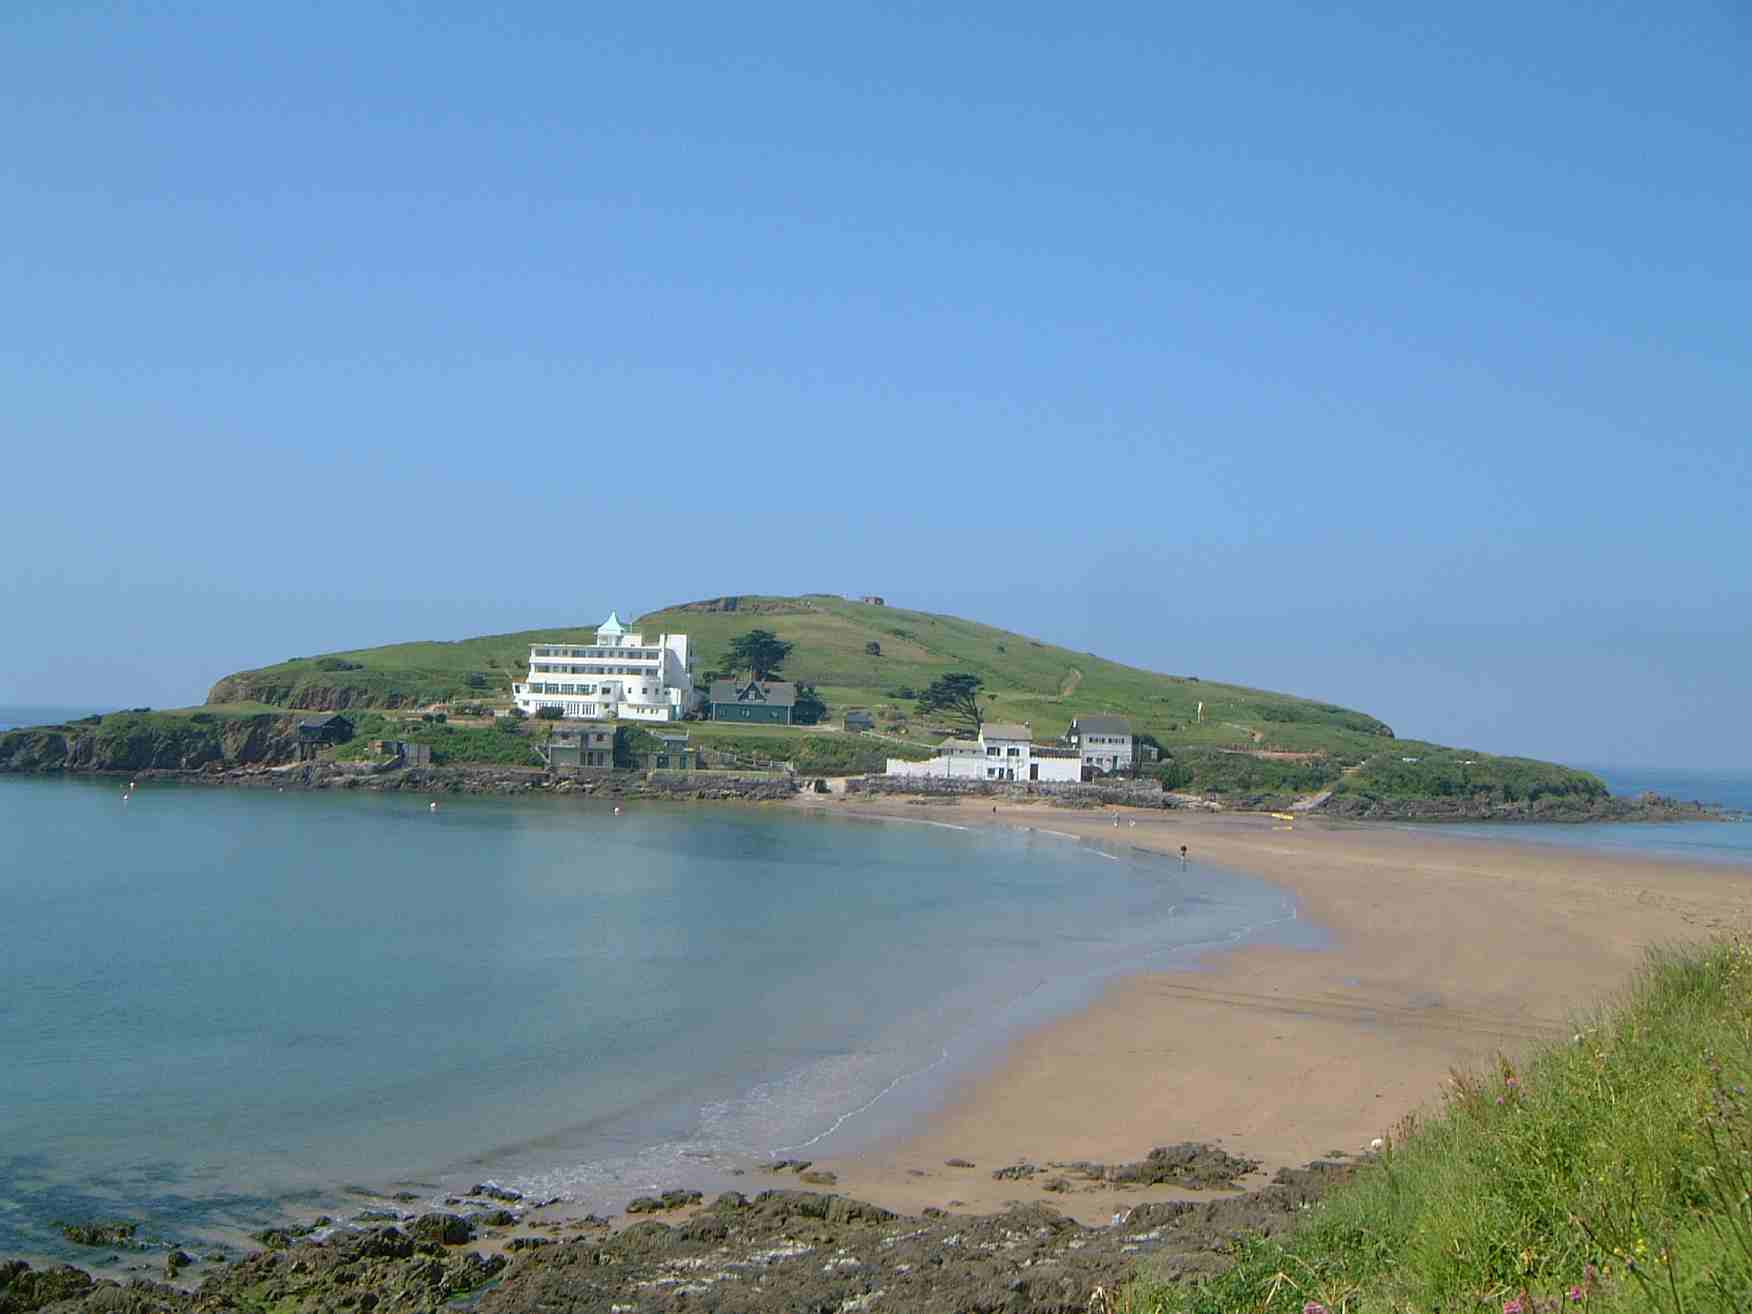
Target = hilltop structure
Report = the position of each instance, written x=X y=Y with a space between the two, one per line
x=619 y=676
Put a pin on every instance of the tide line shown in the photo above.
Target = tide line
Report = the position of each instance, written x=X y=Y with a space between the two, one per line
x=870 y=1103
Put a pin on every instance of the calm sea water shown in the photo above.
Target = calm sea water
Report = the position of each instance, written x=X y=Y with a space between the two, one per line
x=1702 y=841
x=11 y=716
x=221 y=1006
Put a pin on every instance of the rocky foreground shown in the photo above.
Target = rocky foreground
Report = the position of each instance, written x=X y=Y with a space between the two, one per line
x=781 y=1250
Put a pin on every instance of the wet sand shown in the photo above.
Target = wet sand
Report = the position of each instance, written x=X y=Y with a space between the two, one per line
x=1446 y=952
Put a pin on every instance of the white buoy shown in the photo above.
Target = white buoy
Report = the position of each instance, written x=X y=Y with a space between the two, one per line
x=130 y=786
x=432 y=806
x=617 y=809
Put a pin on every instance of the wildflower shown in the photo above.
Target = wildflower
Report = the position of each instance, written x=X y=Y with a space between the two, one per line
x=1515 y=1306
x=1313 y=1307
x=1577 y=1295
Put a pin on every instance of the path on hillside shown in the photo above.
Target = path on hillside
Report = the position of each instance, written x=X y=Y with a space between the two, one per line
x=1071 y=681
x=1313 y=801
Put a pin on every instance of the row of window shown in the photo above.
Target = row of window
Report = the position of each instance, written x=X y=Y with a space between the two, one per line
x=1008 y=752
x=608 y=691
x=1106 y=739
x=597 y=652
x=595 y=668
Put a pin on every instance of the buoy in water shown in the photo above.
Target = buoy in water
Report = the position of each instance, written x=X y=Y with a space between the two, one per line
x=617 y=809
x=432 y=807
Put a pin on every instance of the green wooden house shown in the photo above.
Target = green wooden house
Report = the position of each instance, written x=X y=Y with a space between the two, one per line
x=757 y=702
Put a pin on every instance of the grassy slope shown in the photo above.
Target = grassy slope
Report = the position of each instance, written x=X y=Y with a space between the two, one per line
x=1631 y=1143
x=1025 y=680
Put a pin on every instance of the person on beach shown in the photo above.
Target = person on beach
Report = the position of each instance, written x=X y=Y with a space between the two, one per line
x=1183 y=855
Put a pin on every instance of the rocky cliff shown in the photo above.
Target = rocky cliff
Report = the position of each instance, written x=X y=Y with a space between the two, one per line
x=147 y=741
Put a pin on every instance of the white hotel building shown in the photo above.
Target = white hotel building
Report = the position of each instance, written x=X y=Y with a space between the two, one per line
x=619 y=676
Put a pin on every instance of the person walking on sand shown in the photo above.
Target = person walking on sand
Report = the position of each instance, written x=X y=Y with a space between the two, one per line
x=1183 y=855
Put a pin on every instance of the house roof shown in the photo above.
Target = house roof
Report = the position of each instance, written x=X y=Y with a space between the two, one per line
x=612 y=625
x=773 y=693
x=1102 y=725
x=1001 y=730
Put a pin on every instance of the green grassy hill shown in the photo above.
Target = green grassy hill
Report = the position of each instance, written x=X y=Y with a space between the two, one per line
x=1267 y=748
x=1025 y=679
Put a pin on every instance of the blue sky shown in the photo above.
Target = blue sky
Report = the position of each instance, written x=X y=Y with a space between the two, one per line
x=1396 y=359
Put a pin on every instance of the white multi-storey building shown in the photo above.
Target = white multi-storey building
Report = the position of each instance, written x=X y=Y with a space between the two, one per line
x=1002 y=752
x=620 y=675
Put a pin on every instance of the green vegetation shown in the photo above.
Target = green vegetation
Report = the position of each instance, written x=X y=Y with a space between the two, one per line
x=505 y=743
x=1419 y=771
x=759 y=652
x=955 y=696
x=809 y=707
x=1270 y=781
x=1611 y=1173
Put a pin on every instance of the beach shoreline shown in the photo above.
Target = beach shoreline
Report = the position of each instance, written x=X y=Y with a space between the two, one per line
x=1445 y=952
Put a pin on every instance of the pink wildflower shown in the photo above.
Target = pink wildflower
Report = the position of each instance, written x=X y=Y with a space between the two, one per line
x=1515 y=1306
x=1313 y=1307
x=1577 y=1295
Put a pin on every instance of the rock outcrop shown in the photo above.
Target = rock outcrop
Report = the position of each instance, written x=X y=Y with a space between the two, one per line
x=780 y=1251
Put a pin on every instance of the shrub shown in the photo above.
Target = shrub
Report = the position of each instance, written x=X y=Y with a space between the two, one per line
x=809 y=708
x=1175 y=775
x=338 y=664
x=873 y=648
x=509 y=725
x=475 y=680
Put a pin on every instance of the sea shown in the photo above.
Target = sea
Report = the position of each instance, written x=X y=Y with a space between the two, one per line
x=222 y=1009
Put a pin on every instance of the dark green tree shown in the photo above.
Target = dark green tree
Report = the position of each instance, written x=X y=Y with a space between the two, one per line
x=808 y=709
x=761 y=652
x=956 y=696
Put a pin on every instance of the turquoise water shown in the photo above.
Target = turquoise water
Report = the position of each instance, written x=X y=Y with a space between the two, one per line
x=222 y=1006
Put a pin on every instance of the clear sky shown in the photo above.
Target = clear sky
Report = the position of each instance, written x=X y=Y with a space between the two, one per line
x=1392 y=356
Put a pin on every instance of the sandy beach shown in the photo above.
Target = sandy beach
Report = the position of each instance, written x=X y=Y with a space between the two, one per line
x=1446 y=952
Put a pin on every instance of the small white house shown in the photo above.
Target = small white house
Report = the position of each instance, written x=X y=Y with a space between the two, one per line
x=1001 y=753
